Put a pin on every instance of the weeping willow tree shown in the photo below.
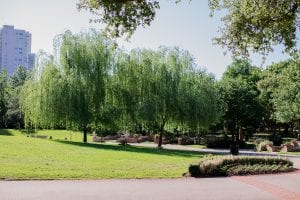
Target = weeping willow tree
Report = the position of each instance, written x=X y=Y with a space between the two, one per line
x=156 y=88
x=73 y=93
x=85 y=62
x=200 y=105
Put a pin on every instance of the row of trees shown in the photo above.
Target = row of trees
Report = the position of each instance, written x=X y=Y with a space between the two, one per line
x=266 y=99
x=98 y=86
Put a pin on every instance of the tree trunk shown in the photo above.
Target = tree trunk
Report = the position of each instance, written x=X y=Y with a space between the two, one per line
x=85 y=135
x=286 y=129
x=160 y=139
x=241 y=134
x=161 y=135
x=237 y=134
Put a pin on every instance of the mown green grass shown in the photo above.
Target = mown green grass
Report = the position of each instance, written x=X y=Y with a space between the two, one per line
x=59 y=134
x=23 y=157
x=290 y=153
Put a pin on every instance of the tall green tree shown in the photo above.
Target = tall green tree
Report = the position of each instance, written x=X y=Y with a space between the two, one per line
x=162 y=87
x=280 y=90
x=199 y=102
x=240 y=94
x=73 y=93
x=14 y=118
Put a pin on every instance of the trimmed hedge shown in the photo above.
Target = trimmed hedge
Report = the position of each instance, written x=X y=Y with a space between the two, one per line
x=239 y=165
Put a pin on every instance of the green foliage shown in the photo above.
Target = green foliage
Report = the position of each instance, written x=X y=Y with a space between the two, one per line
x=280 y=90
x=248 y=25
x=3 y=97
x=71 y=95
x=239 y=165
x=258 y=25
x=99 y=86
x=19 y=77
x=14 y=117
x=122 y=17
x=156 y=88
x=240 y=94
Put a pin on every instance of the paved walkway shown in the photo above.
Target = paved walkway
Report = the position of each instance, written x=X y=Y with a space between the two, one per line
x=267 y=187
x=264 y=187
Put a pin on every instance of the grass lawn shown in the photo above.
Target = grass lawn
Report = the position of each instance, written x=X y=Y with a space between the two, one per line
x=290 y=153
x=201 y=146
x=24 y=157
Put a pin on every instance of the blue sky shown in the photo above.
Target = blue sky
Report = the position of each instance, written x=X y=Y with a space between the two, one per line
x=186 y=25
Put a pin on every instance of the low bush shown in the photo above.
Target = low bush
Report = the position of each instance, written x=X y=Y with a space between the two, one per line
x=276 y=139
x=239 y=165
x=224 y=142
x=213 y=141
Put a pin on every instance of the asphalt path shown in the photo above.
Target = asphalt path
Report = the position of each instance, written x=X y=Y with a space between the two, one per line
x=285 y=186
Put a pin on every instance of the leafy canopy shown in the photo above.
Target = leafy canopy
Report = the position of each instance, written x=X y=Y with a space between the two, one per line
x=249 y=25
x=121 y=16
x=258 y=25
x=280 y=89
x=240 y=94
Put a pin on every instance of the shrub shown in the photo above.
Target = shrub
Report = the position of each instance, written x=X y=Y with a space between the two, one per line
x=239 y=165
x=223 y=142
x=218 y=142
x=184 y=140
x=276 y=139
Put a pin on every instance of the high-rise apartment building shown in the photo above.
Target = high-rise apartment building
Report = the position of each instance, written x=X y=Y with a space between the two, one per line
x=15 y=49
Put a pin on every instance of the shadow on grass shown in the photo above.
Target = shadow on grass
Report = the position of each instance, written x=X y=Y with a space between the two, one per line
x=28 y=131
x=134 y=149
x=6 y=132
